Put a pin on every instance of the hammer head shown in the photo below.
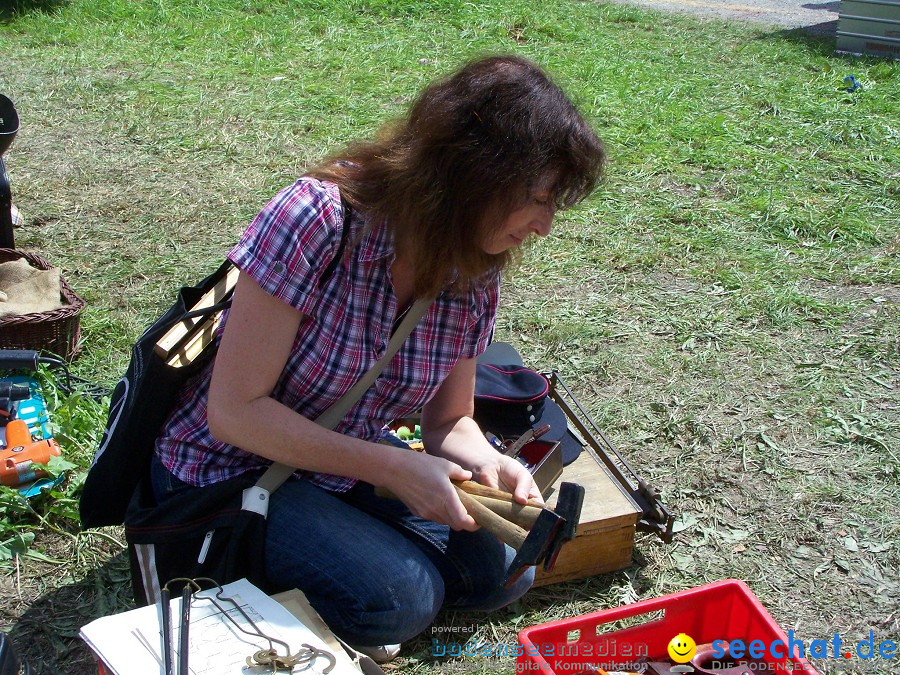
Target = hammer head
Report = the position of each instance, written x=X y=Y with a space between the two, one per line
x=568 y=507
x=534 y=548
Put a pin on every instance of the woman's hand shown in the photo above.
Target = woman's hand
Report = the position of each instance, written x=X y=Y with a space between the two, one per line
x=508 y=474
x=449 y=431
x=422 y=482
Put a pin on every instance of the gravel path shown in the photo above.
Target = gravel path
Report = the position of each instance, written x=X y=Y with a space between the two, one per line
x=815 y=17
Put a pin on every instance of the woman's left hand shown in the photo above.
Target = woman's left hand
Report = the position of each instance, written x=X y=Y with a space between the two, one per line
x=449 y=431
x=508 y=474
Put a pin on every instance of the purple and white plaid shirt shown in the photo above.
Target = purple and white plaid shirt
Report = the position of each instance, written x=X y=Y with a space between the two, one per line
x=286 y=249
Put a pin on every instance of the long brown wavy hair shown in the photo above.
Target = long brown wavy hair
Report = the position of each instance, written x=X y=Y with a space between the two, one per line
x=471 y=149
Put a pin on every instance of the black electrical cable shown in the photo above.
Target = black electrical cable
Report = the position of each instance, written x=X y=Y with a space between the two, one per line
x=86 y=387
x=27 y=359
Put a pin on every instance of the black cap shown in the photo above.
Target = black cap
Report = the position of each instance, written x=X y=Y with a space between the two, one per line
x=510 y=399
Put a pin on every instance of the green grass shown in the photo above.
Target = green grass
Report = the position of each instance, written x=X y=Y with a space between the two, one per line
x=725 y=305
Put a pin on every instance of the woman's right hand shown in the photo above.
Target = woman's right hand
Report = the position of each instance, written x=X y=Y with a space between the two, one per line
x=422 y=482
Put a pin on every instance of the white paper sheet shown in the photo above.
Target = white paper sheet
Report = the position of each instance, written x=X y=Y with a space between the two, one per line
x=130 y=643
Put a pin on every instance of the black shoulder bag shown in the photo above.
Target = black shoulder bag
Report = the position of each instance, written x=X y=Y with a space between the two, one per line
x=144 y=397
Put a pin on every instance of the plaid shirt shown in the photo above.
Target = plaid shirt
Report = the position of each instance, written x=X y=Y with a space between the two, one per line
x=350 y=317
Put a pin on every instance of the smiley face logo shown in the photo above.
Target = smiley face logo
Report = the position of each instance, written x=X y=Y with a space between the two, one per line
x=682 y=648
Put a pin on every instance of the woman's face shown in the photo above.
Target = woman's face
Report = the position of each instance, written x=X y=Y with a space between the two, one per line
x=535 y=217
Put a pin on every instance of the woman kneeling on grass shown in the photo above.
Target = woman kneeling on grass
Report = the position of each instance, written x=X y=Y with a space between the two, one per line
x=436 y=206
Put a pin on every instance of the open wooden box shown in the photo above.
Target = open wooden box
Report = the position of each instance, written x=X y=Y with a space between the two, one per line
x=544 y=461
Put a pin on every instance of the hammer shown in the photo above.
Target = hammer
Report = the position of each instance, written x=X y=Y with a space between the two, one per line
x=531 y=547
x=531 y=529
x=535 y=532
x=568 y=506
x=550 y=530
x=503 y=504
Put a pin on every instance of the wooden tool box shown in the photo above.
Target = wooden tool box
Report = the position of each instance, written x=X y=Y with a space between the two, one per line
x=617 y=502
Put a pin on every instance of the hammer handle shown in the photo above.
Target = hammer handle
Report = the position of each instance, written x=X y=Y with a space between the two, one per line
x=505 y=531
x=520 y=514
x=474 y=488
x=501 y=503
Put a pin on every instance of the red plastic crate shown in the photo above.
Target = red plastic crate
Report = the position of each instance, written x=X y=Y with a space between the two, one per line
x=725 y=610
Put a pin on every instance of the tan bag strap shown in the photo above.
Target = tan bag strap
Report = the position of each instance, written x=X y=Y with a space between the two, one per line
x=276 y=474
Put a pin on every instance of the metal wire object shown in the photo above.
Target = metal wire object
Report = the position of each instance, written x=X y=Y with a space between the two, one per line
x=270 y=658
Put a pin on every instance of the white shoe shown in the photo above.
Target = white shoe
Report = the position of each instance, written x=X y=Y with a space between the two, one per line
x=380 y=653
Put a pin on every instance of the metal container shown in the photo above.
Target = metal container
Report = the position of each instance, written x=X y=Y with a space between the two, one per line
x=869 y=27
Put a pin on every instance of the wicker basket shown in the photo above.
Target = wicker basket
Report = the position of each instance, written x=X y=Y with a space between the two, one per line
x=57 y=331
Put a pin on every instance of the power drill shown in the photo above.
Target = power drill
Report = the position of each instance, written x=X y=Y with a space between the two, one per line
x=20 y=452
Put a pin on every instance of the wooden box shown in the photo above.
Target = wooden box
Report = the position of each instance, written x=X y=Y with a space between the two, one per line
x=605 y=535
x=544 y=461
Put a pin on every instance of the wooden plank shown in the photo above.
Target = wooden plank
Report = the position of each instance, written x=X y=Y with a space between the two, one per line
x=606 y=504
x=199 y=338
x=296 y=603
x=181 y=333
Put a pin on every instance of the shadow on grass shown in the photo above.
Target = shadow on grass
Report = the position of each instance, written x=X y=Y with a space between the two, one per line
x=818 y=38
x=821 y=39
x=12 y=9
x=826 y=29
x=46 y=634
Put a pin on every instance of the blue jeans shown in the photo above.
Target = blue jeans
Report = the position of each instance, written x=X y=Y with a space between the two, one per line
x=375 y=573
